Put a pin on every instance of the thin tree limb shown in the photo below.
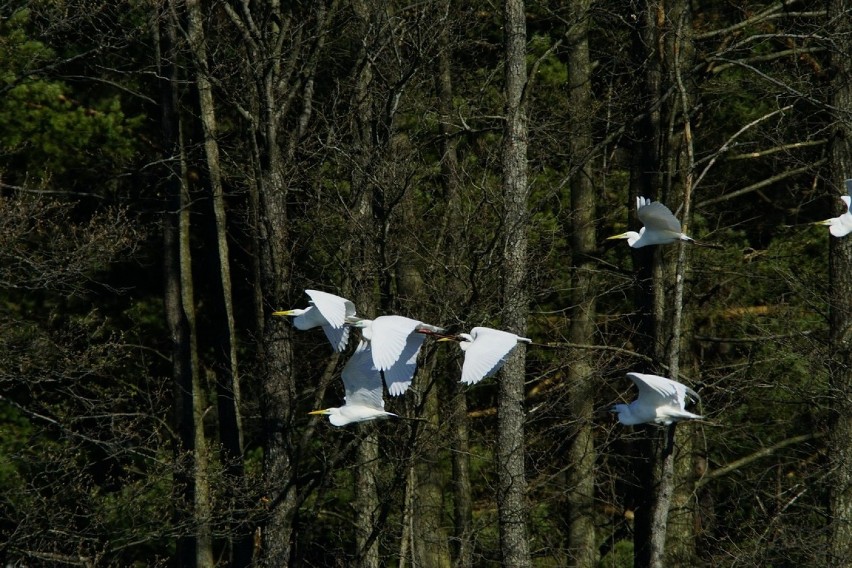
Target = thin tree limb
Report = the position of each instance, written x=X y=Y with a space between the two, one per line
x=761 y=184
x=754 y=456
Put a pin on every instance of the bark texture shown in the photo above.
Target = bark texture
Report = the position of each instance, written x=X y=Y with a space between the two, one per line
x=511 y=490
x=840 y=274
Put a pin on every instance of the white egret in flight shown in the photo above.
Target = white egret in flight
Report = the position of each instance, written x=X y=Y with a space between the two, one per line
x=363 y=385
x=661 y=401
x=485 y=351
x=661 y=226
x=842 y=225
x=327 y=311
x=395 y=342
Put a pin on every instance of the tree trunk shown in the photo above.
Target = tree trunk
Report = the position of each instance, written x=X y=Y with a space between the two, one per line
x=367 y=497
x=840 y=274
x=429 y=539
x=650 y=463
x=462 y=496
x=365 y=270
x=445 y=245
x=274 y=45
x=191 y=478
x=511 y=485
x=227 y=381
x=271 y=43
x=675 y=518
x=582 y=542
x=644 y=182
x=276 y=362
x=277 y=386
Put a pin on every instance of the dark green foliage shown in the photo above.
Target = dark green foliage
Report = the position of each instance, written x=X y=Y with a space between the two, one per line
x=45 y=130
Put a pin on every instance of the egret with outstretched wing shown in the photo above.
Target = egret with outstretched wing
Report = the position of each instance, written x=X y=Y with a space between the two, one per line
x=363 y=385
x=327 y=311
x=395 y=342
x=660 y=401
x=661 y=227
x=485 y=351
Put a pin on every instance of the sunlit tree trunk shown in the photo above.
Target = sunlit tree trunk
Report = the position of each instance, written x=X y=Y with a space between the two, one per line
x=511 y=485
x=840 y=274
x=227 y=381
x=278 y=388
x=191 y=478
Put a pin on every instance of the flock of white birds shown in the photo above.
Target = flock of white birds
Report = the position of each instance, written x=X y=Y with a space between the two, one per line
x=387 y=352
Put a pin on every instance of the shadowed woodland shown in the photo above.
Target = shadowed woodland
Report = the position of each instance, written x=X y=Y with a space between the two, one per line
x=173 y=171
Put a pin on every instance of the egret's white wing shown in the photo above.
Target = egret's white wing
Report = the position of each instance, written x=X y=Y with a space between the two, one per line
x=388 y=339
x=338 y=336
x=398 y=377
x=333 y=308
x=847 y=200
x=657 y=217
x=486 y=353
x=659 y=391
x=654 y=390
x=362 y=380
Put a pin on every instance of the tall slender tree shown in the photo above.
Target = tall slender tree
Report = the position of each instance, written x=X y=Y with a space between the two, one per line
x=582 y=542
x=447 y=242
x=191 y=446
x=281 y=44
x=511 y=485
x=680 y=527
x=645 y=181
x=364 y=264
x=840 y=294
x=227 y=383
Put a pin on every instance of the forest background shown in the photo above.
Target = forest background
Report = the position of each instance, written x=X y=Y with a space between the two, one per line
x=171 y=172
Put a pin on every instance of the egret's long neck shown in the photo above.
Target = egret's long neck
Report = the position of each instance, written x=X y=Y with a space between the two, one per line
x=633 y=236
x=366 y=327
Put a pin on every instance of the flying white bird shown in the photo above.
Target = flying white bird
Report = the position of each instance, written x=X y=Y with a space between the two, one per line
x=661 y=226
x=841 y=226
x=363 y=385
x=327 y=311
x=661 y=401
x=395 y=342
x=485 y=351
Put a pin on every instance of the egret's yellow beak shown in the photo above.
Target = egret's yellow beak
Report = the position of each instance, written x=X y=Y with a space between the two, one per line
x=447 y=339
x=283 y=313
x=325 y=411
x=620 y=236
